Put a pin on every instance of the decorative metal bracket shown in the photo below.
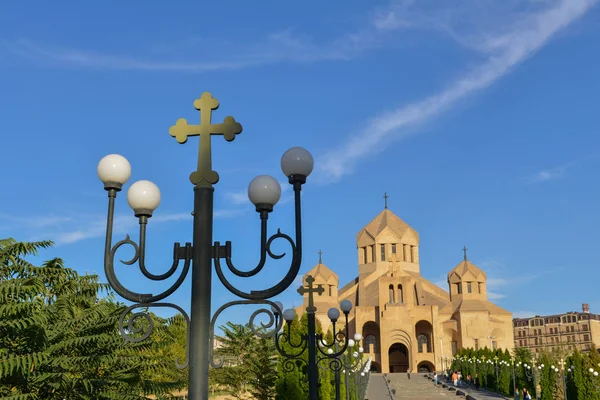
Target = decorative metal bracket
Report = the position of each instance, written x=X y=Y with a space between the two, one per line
x=262 y=331
x=224 y=252
x=129 y=332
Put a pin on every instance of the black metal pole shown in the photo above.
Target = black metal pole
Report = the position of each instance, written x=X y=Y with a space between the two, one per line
x=313 y=372
x=347 y=378
x=336 y=374
x=497 y=383
x=337 y=384
x=201 y=288
x=564 y=381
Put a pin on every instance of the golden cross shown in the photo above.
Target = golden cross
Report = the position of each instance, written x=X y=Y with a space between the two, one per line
x=205 y=176
x=310 y=290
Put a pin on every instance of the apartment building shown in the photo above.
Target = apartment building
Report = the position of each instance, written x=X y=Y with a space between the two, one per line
x=570 y=330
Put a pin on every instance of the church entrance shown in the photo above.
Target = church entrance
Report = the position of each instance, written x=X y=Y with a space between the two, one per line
x=398 y=355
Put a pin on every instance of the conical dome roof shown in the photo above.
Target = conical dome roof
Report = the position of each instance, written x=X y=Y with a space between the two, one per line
x=384 y=219
x=321 y=270
x=466 y=266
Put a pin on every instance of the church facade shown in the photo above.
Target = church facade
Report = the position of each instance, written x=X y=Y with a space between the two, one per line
x=406 y=321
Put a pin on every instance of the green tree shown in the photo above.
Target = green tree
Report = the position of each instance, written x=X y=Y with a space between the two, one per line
x=263 y=368
x=237 y=349
x=291 y=374
x=58 y=339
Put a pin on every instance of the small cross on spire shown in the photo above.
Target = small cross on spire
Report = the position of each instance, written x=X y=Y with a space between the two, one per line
x=385 y=197
x=320 y=257
x=465 y=252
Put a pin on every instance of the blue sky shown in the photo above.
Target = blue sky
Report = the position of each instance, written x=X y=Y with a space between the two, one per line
x=479 y=121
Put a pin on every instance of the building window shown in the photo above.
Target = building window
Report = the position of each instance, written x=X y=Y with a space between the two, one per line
x=586 y=337
x=459 y=288
x=370 y=341
x=331 y=290
x=364 y=253
x=520 y=343
x=423 y=343
x=454 y=347
x=584 y=327
x=400 y=295
x=393 y=248
x=373 y=253
x=476 y=344
x=468 y=287
x=535 y=341
x=412 y=254
x=572 y=329
x=479 y=286
x=382 y=246
x=391 y=294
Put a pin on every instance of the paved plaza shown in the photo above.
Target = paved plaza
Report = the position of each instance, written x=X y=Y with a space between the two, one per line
x=419 y=387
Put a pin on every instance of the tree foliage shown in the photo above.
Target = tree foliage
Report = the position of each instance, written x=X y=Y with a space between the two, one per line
x=250 y=363
x=59 y=338
x=579 y=383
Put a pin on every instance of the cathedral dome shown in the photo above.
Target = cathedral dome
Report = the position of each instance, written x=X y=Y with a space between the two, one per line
x=464 y=268
x=387 y=219
x=322 y=273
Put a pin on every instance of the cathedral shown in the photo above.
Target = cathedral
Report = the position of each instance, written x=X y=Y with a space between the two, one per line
x=406 y=321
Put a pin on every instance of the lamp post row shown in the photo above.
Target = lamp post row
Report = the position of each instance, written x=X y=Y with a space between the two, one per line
x=144 y=197
x=319 y=350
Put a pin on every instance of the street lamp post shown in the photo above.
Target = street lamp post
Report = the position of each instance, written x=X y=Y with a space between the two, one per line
x=361 y=378
x=312 y=341
x=144 y=197
x=349 y=365
x=496 y=367
x=512 y=363
x=561 y=371
x=533 y=373
x=595 y=381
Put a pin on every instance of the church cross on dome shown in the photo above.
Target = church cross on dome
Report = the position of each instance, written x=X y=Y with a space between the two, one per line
x=385 y=197
x=320 y=257
x=465 y=252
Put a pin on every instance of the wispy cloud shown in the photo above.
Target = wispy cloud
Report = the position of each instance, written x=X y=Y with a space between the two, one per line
x=495 y=296
x=549 y=174
x=504 y=44
x=282 y=46
x=546 y=175
x=71 y=229
x=34 y=222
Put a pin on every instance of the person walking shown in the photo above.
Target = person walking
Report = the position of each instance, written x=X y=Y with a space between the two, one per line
x=476 y=381
x=435 y=378
x=455 y=378
x=517 y=397
x=526 y=395
x=408 y=373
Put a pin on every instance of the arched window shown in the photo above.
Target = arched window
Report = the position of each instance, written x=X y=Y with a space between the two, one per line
x=391 y=300
x=423 y=343
x=400 y=295
x=370 y=340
